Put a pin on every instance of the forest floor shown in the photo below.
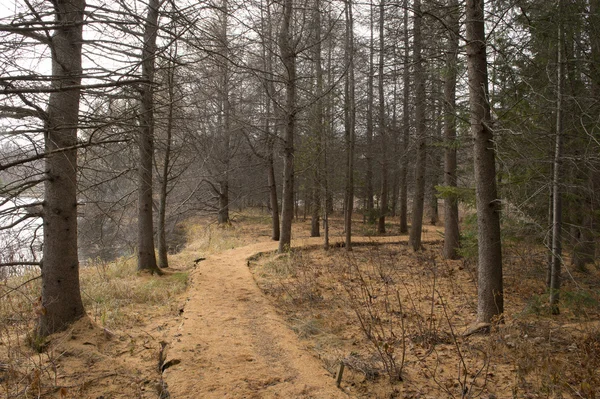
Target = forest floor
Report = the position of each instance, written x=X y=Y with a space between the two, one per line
x=233 y=319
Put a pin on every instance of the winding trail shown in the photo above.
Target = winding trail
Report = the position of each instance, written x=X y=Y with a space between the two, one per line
x=232 y=343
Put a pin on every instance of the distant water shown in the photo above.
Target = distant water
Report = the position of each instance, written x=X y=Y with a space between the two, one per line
x=21 y=238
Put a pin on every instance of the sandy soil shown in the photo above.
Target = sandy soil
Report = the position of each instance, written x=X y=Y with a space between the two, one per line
x=226 y=338
x=232 y=343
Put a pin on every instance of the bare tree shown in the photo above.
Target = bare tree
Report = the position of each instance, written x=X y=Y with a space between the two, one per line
x=146 y=256
x=349 y=124
x=369 y=128
x=288 y=57
x=163 y=261
x=383 y=205
x=416 y=226
x=318 y=124
x=557 y=212
x=405 y=126
x=270 y=130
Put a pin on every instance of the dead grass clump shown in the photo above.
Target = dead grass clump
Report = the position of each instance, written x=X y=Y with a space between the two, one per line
x=112 y=291
x=291 y=277
x=204 y=236
x=92 y=356
x=208 y=237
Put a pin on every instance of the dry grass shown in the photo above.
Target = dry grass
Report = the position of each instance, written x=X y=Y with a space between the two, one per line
x=114 y=292
x=364 y=308
x=382 y=307
x=113 y=352
x=114 y=348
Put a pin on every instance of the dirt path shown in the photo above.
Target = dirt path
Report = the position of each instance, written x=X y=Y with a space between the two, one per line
x=233 y=344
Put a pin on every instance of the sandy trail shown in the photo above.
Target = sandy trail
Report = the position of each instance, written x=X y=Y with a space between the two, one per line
x=233 y=344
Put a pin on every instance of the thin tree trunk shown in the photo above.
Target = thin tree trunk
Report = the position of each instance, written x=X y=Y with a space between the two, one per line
x=163 y=261
x=369 y=132
x=328 y=130
x=275 y=232
x=451 y=229
x=382 y=128
x=61 y=298
x=548 y=241
x=270 y=135
x=349 y=121
x=395 y=141
x=223 y=215
x=146 y=255
x=318 y=106
x=556 y=180
x=434 y=157
x=490 y=295
x=288 y=57
x=325 y=194
x=403 y=200
x=420 y=167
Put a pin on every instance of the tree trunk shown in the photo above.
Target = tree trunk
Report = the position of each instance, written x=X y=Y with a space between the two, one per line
x=273 y=197
x=556 y=180
x=369 y=132
x=350 y=123
x=584 y=250
x=61 y=297
x=163 y=261
x=318 y=123
x=434 y=158
x=270 y=135
x=403 y=200
x=451 y=230
x=420 y=167
x=395 y=142
x=382 y=128
x=223 y=215
x=146 y=255
x=489 y=288
x=288 y=57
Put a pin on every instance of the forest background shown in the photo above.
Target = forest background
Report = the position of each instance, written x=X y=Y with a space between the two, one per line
x=121 y=119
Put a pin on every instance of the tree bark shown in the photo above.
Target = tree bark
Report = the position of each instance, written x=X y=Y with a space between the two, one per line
x=433 y=169
x=146 y=255
x=451 y=229
x=275 y=232
x=556 y=179
x=288 y=57
x=270 y=134
x=416 y=226
x=350 y=123
x=223 y=214
x=61 y=297
x=370 y=207
x=318 y=123
x=163 y=261
x=403 y=175
x=584 y=250
x=383 y=208
x=489 y=289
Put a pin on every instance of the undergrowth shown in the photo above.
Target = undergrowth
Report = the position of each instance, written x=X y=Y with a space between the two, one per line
x=116 y=298
x=112 y=291
x=384 y=311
